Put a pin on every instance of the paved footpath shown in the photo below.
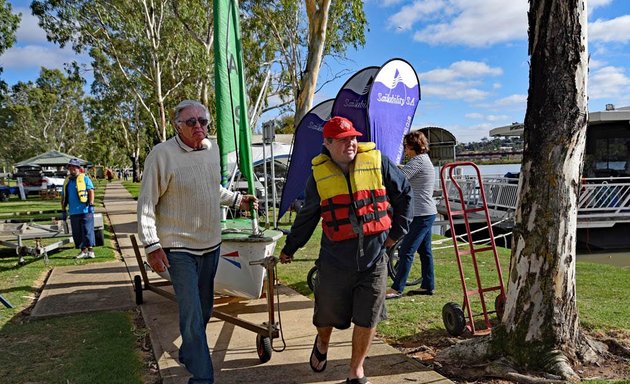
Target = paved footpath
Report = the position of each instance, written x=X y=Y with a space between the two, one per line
x=108 y=286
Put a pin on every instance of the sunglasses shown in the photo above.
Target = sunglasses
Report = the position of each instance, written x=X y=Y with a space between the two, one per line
x=192 y=121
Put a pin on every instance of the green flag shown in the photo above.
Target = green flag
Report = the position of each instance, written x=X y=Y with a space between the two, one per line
x=233 y=131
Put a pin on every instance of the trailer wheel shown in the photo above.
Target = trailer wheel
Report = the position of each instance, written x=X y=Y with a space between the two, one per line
x=137 y=287
x=311 y=278
x=263 y=348
x=99 y=238
x=453 y=318
x=499 y=306
x=415 y=276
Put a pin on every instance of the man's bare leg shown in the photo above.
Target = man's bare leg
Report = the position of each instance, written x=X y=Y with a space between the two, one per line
x=361 y=342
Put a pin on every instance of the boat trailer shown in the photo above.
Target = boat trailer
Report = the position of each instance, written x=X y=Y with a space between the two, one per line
x=265 y=332
x=13 y=236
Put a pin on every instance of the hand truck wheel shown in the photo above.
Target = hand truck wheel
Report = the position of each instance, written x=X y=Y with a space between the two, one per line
x=499 y=306
x=137 y=287
x=453 y=318
x=311 y=278
x=263 y=348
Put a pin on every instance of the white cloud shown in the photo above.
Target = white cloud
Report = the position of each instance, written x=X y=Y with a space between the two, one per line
x=494 y=118
x=459 y=70
x=617 y=30
x=489 y=118
x=476 y=23
x=609 y=83
x=36 y=56
x=511 y=100
x=410 y=14
x=389 y=3
x=461 y=80
x=454 y=91
x=592 y=4
x=595 y=64
x=29 y=31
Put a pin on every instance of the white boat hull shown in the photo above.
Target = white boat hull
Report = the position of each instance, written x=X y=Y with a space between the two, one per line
x=235 y=276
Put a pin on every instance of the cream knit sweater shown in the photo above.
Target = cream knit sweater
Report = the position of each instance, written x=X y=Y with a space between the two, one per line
x=180 y=198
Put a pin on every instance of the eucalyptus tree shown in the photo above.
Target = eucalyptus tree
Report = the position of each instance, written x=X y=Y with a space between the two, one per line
x=46 y=115
x=140 y=38
x=303 y=34
x=540 y=329
x=9 y=23
x=116 y=118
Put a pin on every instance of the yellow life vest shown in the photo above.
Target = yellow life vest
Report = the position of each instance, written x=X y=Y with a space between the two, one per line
x=81 y=189
x=357 y=209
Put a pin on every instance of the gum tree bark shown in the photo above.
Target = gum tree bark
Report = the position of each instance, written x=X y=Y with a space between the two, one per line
x=541 y=318
x=540 y=327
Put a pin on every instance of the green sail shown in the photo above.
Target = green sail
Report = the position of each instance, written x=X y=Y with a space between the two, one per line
x=233 y=131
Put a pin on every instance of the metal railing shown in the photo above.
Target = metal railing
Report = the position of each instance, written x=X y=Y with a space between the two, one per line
x=603 y=200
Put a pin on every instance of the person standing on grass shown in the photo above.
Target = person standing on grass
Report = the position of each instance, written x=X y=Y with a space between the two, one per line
x=179 y=218
x=364 y=202
x=78 y=196
x=421 y=175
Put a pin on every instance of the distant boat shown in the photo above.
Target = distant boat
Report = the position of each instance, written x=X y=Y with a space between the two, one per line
x=603 y=220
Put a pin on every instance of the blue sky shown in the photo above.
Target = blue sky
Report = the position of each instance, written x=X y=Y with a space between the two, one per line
x=470 y=56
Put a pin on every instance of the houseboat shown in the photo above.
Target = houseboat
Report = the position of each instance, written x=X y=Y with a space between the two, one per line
x=603 y=221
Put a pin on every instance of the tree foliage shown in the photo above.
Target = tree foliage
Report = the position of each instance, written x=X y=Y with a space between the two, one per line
x=147 y=55
x=140 y=38
x=44 y=115
x=302 y=34
x=9 y=23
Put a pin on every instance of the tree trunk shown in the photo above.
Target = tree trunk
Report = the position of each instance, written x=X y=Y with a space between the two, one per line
x=317 y=12
x=540 y=323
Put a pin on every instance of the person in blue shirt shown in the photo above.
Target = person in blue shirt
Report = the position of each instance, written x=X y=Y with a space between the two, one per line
x=78 y=198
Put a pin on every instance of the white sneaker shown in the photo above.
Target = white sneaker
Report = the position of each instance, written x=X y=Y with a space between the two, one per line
x=82 y=255
x=91 y=255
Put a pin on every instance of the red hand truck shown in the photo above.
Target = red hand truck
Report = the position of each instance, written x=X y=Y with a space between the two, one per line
x=471 y=201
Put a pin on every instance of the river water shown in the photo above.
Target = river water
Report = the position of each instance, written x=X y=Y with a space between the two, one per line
x=619 y=259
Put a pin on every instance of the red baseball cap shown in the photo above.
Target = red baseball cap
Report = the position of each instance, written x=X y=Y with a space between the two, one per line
x=339 y=127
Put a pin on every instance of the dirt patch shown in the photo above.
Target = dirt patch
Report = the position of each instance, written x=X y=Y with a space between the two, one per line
x=145 y=348
x=424 y=346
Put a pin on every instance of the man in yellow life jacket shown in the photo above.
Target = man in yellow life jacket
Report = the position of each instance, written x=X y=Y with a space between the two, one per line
x=364 y=203
x=78 y=197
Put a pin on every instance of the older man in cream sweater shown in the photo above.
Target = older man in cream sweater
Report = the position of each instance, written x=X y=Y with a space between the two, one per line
x=178 y=223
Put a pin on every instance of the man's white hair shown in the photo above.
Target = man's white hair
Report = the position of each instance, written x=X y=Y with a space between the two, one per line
x=189 y=103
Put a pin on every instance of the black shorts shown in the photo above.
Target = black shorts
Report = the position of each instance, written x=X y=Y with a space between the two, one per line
x=344 y=296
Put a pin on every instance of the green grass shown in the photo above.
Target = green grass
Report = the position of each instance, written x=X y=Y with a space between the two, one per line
x=133 y=188
x=89 y=348
x=19 y=283
x=601 y=290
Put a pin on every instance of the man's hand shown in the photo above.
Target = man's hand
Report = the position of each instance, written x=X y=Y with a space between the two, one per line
x=158 y=260
x=285 y=259
x=389 y=242
x=249 y=201
x=90 y=208
x=64 y=215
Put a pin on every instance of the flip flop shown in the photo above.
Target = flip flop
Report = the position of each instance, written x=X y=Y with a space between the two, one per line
x=358 y=380
x=392 y=294
x=319 y=357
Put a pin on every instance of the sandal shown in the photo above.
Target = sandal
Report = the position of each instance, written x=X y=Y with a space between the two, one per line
x=319 y=357
x=392 y=294
x=358 y=380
